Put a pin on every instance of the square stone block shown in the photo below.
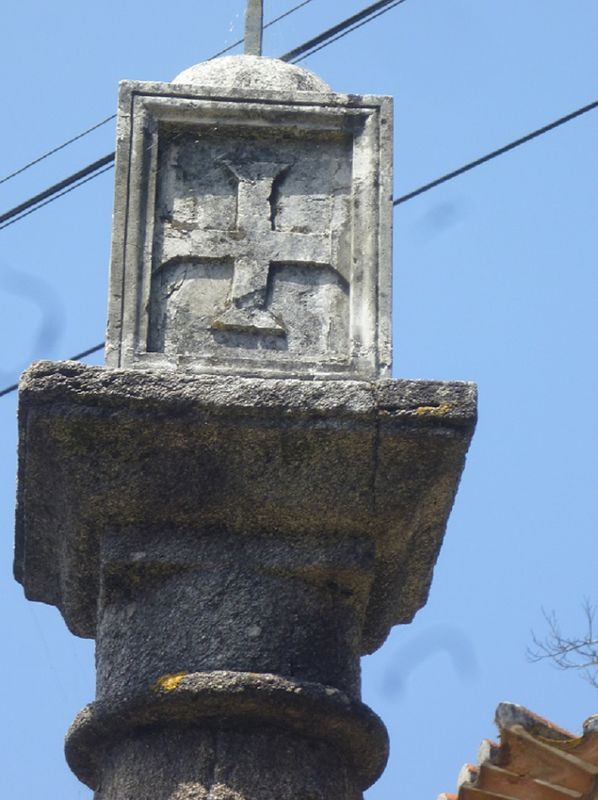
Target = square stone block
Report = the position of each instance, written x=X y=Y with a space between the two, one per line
x=251 y=234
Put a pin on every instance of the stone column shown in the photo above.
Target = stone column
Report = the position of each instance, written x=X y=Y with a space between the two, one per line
x=241 y=504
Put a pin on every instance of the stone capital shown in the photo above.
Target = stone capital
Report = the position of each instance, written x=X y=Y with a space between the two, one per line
x=115 y=463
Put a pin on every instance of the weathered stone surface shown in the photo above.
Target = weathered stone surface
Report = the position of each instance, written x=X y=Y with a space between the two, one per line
x=255 y=73
x=224 y=764
x=349 y=477
x=251 y=227
x=261 y=705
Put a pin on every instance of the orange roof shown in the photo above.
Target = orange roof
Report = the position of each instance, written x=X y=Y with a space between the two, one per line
x=535 y=760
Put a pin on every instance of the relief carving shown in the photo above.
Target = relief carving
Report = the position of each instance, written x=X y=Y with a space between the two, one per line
x=246 y=254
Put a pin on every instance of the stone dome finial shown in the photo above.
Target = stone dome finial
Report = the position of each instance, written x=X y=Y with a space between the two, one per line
x=252 y=72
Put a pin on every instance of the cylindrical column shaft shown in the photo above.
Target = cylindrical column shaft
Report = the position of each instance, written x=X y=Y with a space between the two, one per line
x=228 y=668
x=182 y=602
x=219 y=764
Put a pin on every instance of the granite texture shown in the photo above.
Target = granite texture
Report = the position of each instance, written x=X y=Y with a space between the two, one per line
x=261 y=763
x=240 y=710
x=109 y=451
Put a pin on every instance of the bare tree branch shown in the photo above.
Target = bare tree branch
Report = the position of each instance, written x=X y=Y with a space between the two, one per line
x=568 y=652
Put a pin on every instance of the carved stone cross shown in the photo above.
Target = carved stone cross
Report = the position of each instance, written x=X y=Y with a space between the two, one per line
x=254 y=27
x=254 y=245
x=252 y=224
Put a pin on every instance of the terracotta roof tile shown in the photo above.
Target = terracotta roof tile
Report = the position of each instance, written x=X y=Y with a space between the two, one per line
x=535 y=760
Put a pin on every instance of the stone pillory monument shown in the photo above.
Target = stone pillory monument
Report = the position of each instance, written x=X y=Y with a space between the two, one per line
x=241 y=503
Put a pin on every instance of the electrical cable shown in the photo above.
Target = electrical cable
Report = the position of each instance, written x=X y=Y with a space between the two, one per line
x=107 y=161
x=17 y=213
x=55 y=189
x=56 y=196
x=56 y=149
x=267 y=25
x=426 y=187
x=77 y=357
x=339 y=31
x=113 y=116
x=319 y=42
x=495 y=153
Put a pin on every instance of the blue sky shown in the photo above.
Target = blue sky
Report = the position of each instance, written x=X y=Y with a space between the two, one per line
x=494 y=281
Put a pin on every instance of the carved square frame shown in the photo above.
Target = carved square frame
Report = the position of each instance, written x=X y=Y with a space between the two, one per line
x=143 y=109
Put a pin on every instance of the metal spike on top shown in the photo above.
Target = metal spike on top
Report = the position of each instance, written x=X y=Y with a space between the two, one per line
x=254 y=27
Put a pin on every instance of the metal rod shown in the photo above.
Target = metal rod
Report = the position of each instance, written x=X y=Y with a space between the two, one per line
x=254 y=27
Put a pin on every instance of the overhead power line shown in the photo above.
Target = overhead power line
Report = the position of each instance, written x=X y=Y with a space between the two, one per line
x=57 y=190
x=425 y=188
x=95 y=169
x=341 y=29
x=495 y=153
x=267 y=25
x=57 y=187
x=113 y=116
x=323 y=40
x=76 y=357
x=56 y=196
x=103 y=164
x=57 y=149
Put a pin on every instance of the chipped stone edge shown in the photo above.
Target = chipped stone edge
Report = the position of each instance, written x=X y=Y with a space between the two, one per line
x=419 y=402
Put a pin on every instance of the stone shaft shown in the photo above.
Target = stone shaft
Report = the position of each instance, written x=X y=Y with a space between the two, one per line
x=224 y=765
x=173 y=601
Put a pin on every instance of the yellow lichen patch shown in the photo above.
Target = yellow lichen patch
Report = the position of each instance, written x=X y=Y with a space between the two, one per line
x=170 y=682
x=433 y=411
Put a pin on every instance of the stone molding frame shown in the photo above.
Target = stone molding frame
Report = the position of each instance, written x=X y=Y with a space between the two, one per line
x=357 y=128
x=239 y=698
